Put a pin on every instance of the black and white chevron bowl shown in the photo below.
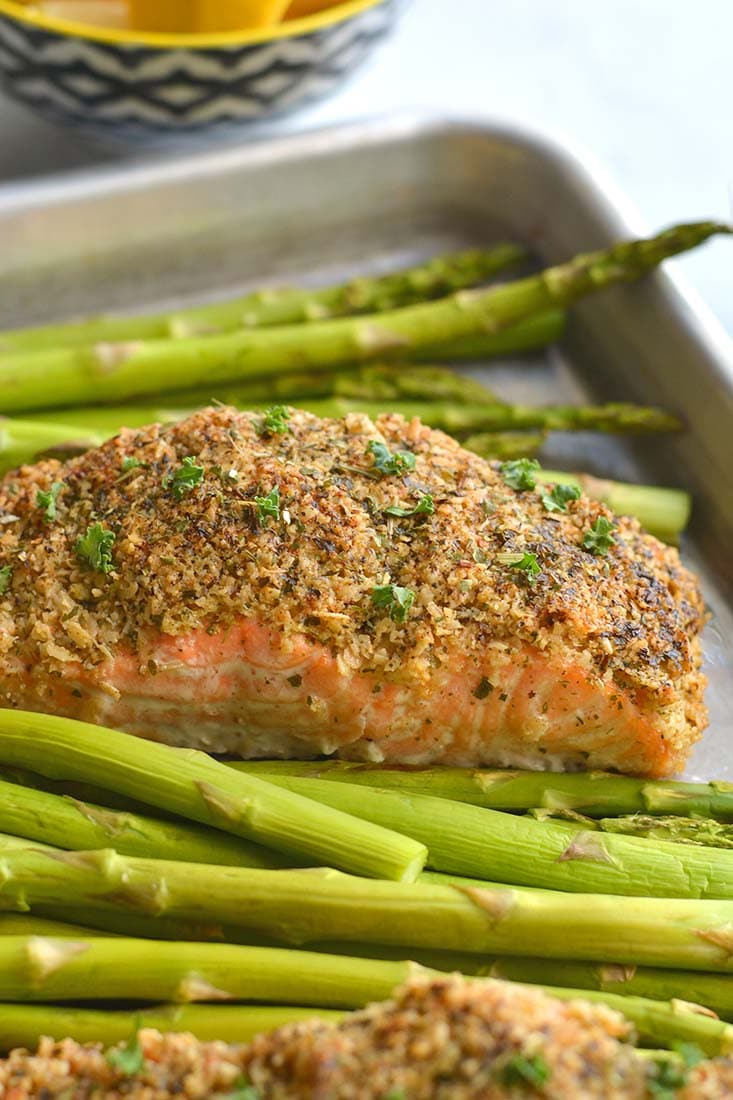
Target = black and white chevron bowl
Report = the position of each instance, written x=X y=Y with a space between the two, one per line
x=145 y=93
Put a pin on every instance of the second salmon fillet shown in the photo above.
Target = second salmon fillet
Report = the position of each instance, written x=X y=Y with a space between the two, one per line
x=289 y=586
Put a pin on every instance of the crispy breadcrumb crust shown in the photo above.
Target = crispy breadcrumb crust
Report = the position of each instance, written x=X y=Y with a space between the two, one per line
x=446 y=1039
x=206 y=560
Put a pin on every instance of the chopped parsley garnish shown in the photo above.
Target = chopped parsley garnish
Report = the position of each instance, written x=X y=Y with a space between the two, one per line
x=268 y=507
x=129 y=462
x=519 y=473
x=424 y=507
x=484 y=689
x=129 y=1059
x=6 y=576
x=94 y=549
x=526 y=562
x=274 y=422
x=526 y=1070
x=46 y=501
x=669 y=1075
x=387 y=463
x=397 y=600
x=185 y=479
x=557 y=499
x=243 y=1090
x=598 y=539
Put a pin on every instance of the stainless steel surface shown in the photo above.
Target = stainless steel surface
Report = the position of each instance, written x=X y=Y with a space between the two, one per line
x=370 y=197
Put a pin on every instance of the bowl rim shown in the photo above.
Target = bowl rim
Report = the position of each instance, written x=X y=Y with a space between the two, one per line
x=253 y=36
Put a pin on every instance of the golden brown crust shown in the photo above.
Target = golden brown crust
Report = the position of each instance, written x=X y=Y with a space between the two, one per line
x=205 y=561
x=446 y=1039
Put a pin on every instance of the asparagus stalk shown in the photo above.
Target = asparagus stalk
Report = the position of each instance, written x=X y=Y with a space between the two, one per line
x=21 y=440
x=661 y=1023
x=439 y=912
x=22 y=1025
x=712 y=991
x=460 y=420
x=489 y=844
x=663 y=512
x=375 y=294
x=595 y=794
x=48 y=969
x=504 y=445
x=527 y=335
x=70 y=823
x=82 y=792
x=375 y=381
x=29 y=924
x=682 y=830
x=115 y=371
x=193 y=785
x=456 y=419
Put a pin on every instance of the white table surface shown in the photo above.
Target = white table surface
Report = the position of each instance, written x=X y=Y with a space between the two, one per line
x=644 y=85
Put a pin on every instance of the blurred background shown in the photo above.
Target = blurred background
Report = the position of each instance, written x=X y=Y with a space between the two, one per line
x=644 y=88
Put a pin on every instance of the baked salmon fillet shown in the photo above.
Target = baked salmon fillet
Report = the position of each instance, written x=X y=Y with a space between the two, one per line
x=288 y=586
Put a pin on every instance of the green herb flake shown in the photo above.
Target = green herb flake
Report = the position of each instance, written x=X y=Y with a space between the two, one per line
x=484 y=689
x=395 y=1094
x=519 y=473
x=397 y=600
x=6 y=576
x=669 y=1078
x=94 y=549
x=268 y=507
x=690 y=1053
x=526 y=562
x=274 y=422
x=526 y=1070
x=424 y=507
x=557 y=499
x=46 y=501
x=598 y=539
x=242 y=1090
x=129 y=462
x=185 y=479
x=387 y=463
x=129 y=1059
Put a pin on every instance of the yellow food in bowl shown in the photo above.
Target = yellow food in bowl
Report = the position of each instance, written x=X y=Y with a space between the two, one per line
x=201 y=16
x=299 y=9
x=173 y=16
x=99 y=13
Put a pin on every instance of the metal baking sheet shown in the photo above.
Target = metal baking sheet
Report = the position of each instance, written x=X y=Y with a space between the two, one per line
x=374 y=196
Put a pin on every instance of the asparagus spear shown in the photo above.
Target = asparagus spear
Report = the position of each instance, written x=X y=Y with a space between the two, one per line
x=482 y=843
x=374 y=381
x=21 y=440
x=595 y=794
x=374 y=294
x=662 y=1023
x=456 y=419
x=713 y=991
x=682 y=830
x=114 y=371
x=504 y=445
x=527 y=335
x=42 y=968
x=439 y=912
x=23 y=1025
x=195 y=786
x=663 y=512
x=70 y=823
x=27 y=924
x=615 y=418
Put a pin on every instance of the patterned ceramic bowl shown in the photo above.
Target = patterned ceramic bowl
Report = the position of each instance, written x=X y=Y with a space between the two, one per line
x=136 y=86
